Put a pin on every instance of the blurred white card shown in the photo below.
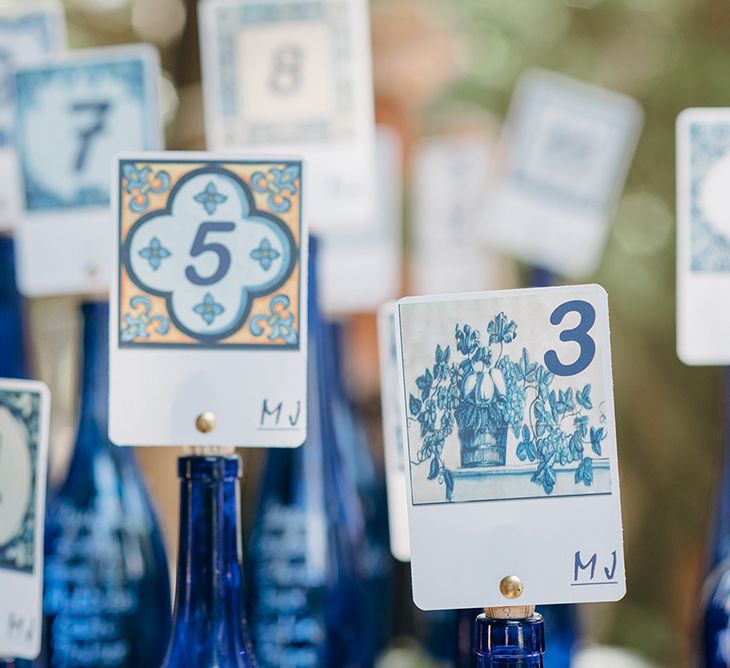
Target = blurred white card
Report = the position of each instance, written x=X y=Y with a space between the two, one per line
x=25 y=32
x=361 y=266
x=451 y=176
x=511 y=447
x=395 y=468
x=74 y=112
x=209 y=301
x=24 y=415
x=568 y=146
x=295 y=75
x=703 y=236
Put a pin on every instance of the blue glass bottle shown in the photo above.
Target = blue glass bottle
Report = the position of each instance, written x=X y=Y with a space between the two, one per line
x=712 y=644
x=509 y=643
x=107 y=592
x=369 y=481
x=305 y=590
x=209 y=626
x=13 y=351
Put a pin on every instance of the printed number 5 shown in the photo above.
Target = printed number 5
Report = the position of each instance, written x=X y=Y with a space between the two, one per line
x=100 y=111
x=199 y=246
x=579 y=334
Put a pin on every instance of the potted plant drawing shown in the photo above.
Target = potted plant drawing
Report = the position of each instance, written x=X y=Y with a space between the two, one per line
x=485 y=395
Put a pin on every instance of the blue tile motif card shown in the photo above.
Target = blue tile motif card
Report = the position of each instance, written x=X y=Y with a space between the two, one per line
x=294 y=75
x=209 y=299
x=73 y=114
x=24 y=415
x=511 y=446
x=25 y=33
x=568 y=148
x=703 y=236
x=392 y=412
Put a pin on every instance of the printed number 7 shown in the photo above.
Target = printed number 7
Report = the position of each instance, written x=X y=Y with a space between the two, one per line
x=199 y=246
x=579 y=334
x=100 y=110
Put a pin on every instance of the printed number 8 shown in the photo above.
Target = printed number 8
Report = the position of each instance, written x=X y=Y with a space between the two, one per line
x=579 y=334
x=287 y=73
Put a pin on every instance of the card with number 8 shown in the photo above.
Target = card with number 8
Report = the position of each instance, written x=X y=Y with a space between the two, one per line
x=74 y=112
x=208 y=308
x=511 y=445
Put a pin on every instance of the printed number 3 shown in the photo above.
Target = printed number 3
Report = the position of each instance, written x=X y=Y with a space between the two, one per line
x=200 y=246
x=579 y=334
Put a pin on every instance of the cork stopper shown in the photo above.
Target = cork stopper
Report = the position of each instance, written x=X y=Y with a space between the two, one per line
x=510 y=612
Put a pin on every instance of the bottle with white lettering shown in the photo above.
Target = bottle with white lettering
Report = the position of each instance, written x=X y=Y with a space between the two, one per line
x=509 y=638
x=305 y=591
x=712 y=643
x=107 y=593
x=209 y=626
x=369 y=480
x=13 y=351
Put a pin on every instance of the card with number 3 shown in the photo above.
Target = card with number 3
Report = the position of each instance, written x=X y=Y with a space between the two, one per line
x=208 y=307
x=511 y=447
x=74 y=112
x=24 y=415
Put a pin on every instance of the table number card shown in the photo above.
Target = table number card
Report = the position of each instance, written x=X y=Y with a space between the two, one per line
x=26 y=32
x=208 y=306
x=395 y=467
x=294 y=75
x=568 y=148
x=703 y=236
x=73 y=114
x=24 y=415
x=511 y=444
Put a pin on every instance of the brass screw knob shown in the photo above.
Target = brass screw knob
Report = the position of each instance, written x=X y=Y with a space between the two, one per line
x=511 y=587
x=205 y=422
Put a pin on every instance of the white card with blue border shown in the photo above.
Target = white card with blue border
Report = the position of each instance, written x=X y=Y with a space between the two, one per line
x=511 y=447
x=24 y=415
x=392 y=414
x=25 y=32
x=208 y=308
x=74 y=112
x=703 y=236
x=568 y=146
x=295 y=75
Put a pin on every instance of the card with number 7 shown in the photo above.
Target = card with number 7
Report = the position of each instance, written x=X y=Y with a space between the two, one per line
x=74 y=112
x=208 y=306
x=511 y=447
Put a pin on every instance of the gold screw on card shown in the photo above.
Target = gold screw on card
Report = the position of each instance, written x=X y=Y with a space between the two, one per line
x=511 y=587
x=205 y=422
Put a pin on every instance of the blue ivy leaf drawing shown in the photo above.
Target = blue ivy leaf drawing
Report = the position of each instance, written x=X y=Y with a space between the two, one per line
x=580 y=422
x=597 y=435
x=415 y=405
x=564 y=404
x=527 y=371
x=584 y=472
x=433 y=473
x=583 y=397
x=424 y=383
x=501 y=330
x=441 y=367
x=467 y=340
x=526 y=448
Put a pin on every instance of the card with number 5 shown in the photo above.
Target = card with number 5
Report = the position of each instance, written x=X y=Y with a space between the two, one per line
x=294 y=75
x=74 y=112
x=511 y=447
x=24 y=415
x=208 y=307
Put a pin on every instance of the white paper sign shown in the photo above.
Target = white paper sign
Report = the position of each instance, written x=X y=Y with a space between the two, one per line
x=703 y=236
x=395 y=469
x=568 y=148
x=361 y=266
x=74 y=112
x=25 y=32
x=208 y=308
x=294 y=75
x=451 y=178
x=24 y=415
x=511 y=444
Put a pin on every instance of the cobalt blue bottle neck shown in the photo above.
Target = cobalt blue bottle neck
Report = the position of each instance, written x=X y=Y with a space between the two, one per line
x=509 y=643
x=209 y=628
x=13 y=351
